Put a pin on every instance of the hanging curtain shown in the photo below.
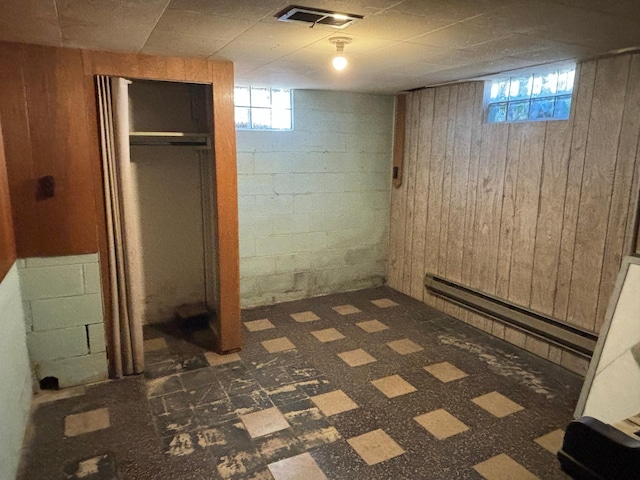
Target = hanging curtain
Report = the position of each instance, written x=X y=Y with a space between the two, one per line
x=123 y=229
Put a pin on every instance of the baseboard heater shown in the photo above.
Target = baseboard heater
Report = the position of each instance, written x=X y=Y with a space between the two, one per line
x=567 y=336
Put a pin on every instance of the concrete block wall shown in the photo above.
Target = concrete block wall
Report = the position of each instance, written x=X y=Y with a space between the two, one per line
x=314 y=202
x=15 y=375
x=64 y=319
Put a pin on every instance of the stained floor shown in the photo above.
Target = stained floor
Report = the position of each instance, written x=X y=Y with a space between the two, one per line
x=361 y=385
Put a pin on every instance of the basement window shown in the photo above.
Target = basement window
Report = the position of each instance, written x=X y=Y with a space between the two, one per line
x=531 y=97
x=263 y=108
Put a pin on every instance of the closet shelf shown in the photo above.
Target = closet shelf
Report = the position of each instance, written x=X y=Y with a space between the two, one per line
x=170 y=138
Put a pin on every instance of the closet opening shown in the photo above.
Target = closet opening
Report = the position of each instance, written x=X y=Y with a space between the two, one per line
x=172 y=175
x=159 y=174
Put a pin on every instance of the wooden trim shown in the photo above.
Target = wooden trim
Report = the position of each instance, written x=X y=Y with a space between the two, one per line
x=398 y=139
x=220 y=76
x=7 y=240
x=226 y=189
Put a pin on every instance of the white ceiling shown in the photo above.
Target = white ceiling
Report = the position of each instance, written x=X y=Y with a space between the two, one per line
x=399 y=45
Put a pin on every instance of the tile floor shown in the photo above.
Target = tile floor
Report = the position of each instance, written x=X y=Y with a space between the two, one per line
x=361 y=385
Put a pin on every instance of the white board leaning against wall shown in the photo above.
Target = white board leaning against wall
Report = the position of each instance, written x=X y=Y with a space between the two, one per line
x=611 y=390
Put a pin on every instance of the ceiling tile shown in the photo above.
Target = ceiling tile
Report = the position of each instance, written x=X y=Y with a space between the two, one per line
x=245 y=9
x=177 y=44
x=130 y=23
x=395 y=26
x=450 y=11
x=459 y=35
x=622 y=8
x=202 y=25
x=291 y=35
x=30 y=21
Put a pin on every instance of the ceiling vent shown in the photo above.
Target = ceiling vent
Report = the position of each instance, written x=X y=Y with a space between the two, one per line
x=316 y=16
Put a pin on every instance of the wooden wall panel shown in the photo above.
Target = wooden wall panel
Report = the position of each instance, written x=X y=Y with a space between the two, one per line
x=605 y=123
x=43 y=100
x=550 y=214
x=7 y=242
x=421 y=193
x=410 y=168
x=539 y=214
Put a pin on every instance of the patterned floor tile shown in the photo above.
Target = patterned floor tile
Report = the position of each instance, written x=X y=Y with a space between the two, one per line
x=393 y=386
x=259 y=325
x=335 y=402
x=356 y=358
x=445 y=372
x=155 y=344
x=301 y=466
x=278 y=345
x=328 y=335
x=86 y=422
x=375 y=447
x=264 y=422
x=214 y=359
x=497 y=404
x=372 y=326
x=384 y=303
x=304 y=317
x=503 y=467
x=552 y=441
x=441 y=424
x=346 y=309
x=404 y=346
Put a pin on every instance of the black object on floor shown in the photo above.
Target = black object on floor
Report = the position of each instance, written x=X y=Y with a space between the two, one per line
x=593 y=450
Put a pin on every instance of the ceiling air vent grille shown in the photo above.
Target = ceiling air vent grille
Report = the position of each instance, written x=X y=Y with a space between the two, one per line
x=316 y=16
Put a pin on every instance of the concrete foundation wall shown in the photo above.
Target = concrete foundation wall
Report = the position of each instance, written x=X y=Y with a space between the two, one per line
x=314 y=202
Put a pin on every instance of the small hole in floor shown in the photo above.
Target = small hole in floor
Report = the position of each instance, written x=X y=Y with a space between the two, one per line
x=49 y=383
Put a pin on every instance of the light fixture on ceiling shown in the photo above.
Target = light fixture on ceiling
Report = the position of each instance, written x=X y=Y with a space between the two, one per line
x=339 y=60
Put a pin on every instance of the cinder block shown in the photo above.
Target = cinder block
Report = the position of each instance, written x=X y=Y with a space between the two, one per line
x=351 y=238
x=274 y=204
x=292 y=223
x=255 y=184
x=56 y=344
x=296 y=262
x=96 y=338
x=75 y=370
x=248 y=287
x=274 y=245
x=257 y=266
x=308 y=242
x=274 y=162
x=62 y=260
x=245 y=164
x=92 y=283
x=50 y=282
x=298 y=183
x=52 y=313
x=252 y=225
x=247 y=247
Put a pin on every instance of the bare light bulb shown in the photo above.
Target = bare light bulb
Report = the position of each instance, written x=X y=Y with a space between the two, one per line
x=339 y=62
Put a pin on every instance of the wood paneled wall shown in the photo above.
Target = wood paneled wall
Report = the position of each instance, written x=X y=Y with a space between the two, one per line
x=47 y=102
x=7 y=242
x=539 y=214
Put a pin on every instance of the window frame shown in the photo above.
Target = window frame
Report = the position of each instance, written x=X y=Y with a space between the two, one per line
x=250 y=106
x=531 y=98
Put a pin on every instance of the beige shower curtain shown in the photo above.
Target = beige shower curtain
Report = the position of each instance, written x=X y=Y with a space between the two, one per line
x=123 y=228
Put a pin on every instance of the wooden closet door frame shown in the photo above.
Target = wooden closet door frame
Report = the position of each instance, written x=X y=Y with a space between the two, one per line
x=219 y=75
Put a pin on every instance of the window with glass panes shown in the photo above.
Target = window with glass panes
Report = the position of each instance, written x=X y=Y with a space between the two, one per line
x=263 y=108
x=531 y=97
